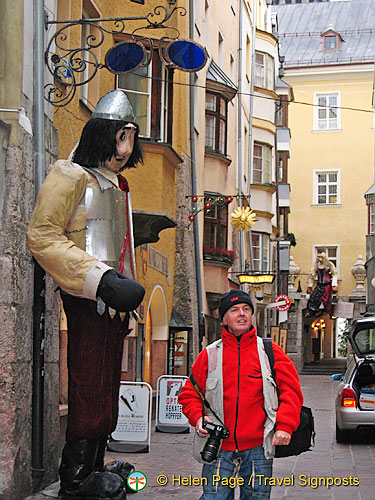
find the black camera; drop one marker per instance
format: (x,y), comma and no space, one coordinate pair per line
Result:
(216,434)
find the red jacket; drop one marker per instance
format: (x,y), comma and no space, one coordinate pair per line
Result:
(244,412)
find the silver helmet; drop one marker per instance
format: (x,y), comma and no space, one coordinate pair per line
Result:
(114,106)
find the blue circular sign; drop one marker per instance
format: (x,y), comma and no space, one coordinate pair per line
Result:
(186,55)
(125,56)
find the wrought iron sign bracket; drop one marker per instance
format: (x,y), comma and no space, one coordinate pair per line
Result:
(75,67)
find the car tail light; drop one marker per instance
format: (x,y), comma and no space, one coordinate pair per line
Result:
(348,398)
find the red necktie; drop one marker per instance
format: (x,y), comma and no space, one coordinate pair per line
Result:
(123,183)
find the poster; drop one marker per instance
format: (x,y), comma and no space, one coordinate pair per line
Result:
(170,411)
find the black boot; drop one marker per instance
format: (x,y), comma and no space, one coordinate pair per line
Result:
(123,469)
(79,480)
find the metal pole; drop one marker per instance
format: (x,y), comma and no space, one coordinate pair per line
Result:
(39,274)
(194,188)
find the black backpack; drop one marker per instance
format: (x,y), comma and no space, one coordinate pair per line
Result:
(303,438)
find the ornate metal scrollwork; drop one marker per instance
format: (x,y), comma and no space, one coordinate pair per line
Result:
(75,67)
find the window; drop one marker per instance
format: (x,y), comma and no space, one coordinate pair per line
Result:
(216,227)
(216,123)
(150,92)
(262,163)
(331,251)
(206,25)
(326,187)
(326,111)
(371,215)
(248,59)
(330,42)
(232,67)
(260,243)
(197,16)
(264,71)
(220,41)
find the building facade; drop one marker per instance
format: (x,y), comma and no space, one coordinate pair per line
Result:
(328,62)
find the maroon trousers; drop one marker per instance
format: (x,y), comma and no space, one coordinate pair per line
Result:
(95,345)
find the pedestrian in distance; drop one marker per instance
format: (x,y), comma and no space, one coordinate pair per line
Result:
(80,233)
(235,378)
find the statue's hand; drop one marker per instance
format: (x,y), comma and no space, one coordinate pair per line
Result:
(120,293)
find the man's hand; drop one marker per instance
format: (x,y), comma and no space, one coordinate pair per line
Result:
(281,437)
(335,289)
(119,292)
(199,428)
(309,290)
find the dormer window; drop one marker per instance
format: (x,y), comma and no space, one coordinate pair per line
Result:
(331,40)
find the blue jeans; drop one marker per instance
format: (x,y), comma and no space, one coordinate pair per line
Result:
(251,469)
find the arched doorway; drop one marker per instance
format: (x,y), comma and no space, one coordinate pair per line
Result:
(156,337)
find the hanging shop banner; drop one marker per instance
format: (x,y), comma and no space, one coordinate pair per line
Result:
(133,431)
(256,279)
(169,416)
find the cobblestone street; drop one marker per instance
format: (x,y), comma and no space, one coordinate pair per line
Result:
(171,455)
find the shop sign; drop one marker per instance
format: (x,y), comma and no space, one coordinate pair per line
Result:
(256,279)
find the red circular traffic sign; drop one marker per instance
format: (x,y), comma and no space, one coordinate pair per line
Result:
(287,300)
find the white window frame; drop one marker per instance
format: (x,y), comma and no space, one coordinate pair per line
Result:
(371,218)
(265,72)
(266,179)
(315,186)
(319,121)
(148,93)
(163,105)
(325,248)
(264,251)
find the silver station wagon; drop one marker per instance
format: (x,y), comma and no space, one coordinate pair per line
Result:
(355,400)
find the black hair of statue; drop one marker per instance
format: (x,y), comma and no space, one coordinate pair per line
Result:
(98,144)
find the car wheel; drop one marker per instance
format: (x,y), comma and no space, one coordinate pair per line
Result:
(341,435)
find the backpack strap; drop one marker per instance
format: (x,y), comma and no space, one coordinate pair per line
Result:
(267,342)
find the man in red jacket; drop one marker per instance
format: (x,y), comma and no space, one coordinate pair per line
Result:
(243,405)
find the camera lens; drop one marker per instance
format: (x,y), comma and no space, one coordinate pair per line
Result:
(210,451)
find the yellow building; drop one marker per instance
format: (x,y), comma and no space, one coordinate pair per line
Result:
(157,93)
(332,143)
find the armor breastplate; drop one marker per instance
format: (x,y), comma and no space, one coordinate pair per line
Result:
(109,234)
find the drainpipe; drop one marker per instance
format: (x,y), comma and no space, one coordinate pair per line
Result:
(194,190)
(39,274)
(251,116)
(240,142)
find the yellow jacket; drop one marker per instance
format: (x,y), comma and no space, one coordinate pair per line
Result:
(57,230)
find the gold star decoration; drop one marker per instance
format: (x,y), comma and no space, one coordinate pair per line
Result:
(243,218)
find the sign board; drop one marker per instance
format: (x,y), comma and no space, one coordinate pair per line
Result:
(286,302)
(169,416)
(283,338)
(133,430)
(256,279)
(344,309)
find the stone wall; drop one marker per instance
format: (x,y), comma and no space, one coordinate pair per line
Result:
(185,299)
(16,325)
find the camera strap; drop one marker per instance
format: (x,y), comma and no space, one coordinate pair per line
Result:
(205,402)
